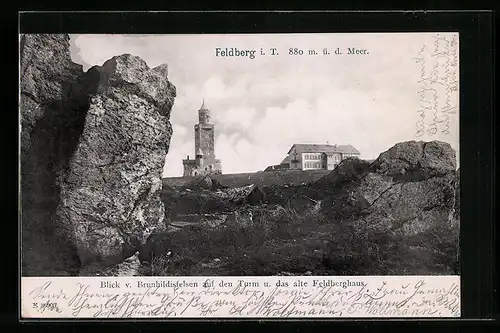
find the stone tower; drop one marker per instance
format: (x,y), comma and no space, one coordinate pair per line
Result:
(204,133)
(204,147)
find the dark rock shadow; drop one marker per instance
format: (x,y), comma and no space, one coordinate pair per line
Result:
(46,248)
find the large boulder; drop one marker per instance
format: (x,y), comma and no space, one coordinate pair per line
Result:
(110,190)
(93,147)
(408,189)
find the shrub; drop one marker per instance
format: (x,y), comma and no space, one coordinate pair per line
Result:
(375,252)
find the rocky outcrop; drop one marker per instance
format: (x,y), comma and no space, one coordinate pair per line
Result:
(111,188)
(200,200)
(46,77)
(408,189)
(94,146)
(457,195)
(51,119)
(204,182)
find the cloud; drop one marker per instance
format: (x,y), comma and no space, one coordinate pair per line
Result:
(237,118)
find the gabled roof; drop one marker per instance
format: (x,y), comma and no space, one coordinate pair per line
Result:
(329,149)
(286,160)
(278,167)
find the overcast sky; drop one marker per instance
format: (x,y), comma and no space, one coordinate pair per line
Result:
(262,106)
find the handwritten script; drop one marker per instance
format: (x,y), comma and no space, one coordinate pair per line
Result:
(275,297)
(438,84)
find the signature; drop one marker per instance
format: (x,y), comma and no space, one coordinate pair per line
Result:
(438,85)
(388,299)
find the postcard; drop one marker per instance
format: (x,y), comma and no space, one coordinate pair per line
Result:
(264,176)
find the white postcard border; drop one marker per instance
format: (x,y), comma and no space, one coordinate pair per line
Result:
(276,297)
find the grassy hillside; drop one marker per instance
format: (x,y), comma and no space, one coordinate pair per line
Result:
(282,241)
(259,178)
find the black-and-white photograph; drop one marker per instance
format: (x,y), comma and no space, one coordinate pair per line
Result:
(239,155)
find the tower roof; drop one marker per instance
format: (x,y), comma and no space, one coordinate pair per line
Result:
(203,107)
(199,152)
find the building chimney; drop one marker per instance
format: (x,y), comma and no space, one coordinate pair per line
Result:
(188,157)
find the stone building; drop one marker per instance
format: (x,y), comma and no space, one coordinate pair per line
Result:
(204,162)
(315,157)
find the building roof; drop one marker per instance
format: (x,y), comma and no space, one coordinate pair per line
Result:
(316,148)
(199,152)
(278,167)
(286,160)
